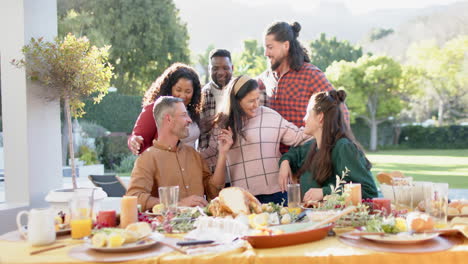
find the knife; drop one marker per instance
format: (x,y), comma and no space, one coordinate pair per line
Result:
(194,242)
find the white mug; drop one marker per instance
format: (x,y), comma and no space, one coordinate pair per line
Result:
(41,226)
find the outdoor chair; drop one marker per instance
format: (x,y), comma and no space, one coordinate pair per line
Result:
(111,184)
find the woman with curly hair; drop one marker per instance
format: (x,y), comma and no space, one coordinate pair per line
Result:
(179,80)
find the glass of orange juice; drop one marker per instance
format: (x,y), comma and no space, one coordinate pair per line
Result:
(294,198)
(81,211)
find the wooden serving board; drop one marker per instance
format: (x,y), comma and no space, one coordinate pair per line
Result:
(433,245)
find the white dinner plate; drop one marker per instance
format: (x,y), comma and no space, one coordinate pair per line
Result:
(130,247)
(401,238)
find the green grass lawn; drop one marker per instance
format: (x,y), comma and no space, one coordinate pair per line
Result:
(435,165)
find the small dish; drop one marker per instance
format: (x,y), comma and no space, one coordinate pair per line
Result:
(401,238)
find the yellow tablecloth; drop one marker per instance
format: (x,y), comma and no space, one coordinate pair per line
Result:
(329,250)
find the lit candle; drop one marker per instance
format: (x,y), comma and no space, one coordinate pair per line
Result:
(106,218)
(354,193)
(382,204)
(128,211)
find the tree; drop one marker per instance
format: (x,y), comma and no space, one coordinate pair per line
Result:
(203,61)
(71,70)
(147,36)
(324,51)
(444,75)
(379,33)
(251,60)
(375,85)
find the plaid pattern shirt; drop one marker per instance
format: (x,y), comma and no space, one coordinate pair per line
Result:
(209,109)
(252,163)
(290,94)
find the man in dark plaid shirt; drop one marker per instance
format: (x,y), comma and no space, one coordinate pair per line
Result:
(292,80)
(221,69)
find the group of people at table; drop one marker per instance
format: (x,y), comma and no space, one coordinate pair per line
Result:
(233,131)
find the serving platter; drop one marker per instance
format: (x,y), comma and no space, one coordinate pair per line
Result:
(294,234)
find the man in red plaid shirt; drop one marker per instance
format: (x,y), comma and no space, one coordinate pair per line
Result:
(292,80)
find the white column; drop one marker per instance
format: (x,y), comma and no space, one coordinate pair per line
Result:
(31,125)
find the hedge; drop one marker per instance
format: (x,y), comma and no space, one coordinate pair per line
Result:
(112,150)
(362,133)
(447,137)
(116,112)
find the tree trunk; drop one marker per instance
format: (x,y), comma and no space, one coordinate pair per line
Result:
(373,135)
(396,134)
(372,107)
(441,113)
(70,142)
(64,142)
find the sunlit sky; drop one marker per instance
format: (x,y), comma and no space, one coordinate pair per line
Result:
(208,20)
(356,6)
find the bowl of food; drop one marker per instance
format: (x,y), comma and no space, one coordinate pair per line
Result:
(287,235)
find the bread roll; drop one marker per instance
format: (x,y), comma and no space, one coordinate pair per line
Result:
(453,211)
(420,222)
(397,174)
(458,207)
(384,178)
(464,209)
(235,200)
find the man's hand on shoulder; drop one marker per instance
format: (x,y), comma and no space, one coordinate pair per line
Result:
(193,200)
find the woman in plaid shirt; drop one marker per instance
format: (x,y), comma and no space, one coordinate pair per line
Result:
(257,131)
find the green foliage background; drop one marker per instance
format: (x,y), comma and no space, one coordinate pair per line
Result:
(446,137)
(116,112)
(324,51)
(146,36)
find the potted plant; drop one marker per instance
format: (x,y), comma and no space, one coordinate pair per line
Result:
(70,70)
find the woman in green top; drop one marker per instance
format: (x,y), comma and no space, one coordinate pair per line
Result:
(316,163)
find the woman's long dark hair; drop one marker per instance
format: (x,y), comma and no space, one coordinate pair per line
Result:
(162,86)
(232,115)
(319,163)
(289,32)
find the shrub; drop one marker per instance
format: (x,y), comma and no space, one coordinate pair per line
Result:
(116,112)
(92,129)
(126,165)
(88,155)
(362,133)
(448,137)
(112,150)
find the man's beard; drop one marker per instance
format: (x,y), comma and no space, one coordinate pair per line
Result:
(182,133)
(220,85)
(278,62)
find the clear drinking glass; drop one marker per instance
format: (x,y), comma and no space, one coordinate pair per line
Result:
(402,189)
(81,213)
(169,196)
(294,195)
(436,203)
